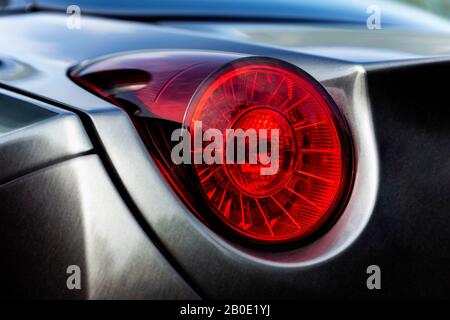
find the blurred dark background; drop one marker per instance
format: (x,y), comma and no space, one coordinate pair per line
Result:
(439,7)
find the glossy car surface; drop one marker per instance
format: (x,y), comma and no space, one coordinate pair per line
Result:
(78,187)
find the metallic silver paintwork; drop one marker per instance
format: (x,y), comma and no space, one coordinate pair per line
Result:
(346,43)
(73,215)
(121,261)
(38,134)
(57,212)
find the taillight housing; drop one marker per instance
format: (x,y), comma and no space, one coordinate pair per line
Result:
(283,157)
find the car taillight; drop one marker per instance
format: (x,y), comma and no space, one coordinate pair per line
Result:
(289,185)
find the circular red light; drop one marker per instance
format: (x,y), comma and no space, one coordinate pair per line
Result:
(313,168)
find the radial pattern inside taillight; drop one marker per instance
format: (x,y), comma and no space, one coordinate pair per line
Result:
(298,196)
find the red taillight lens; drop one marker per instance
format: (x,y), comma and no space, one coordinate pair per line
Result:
(303,186)
(297,199)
